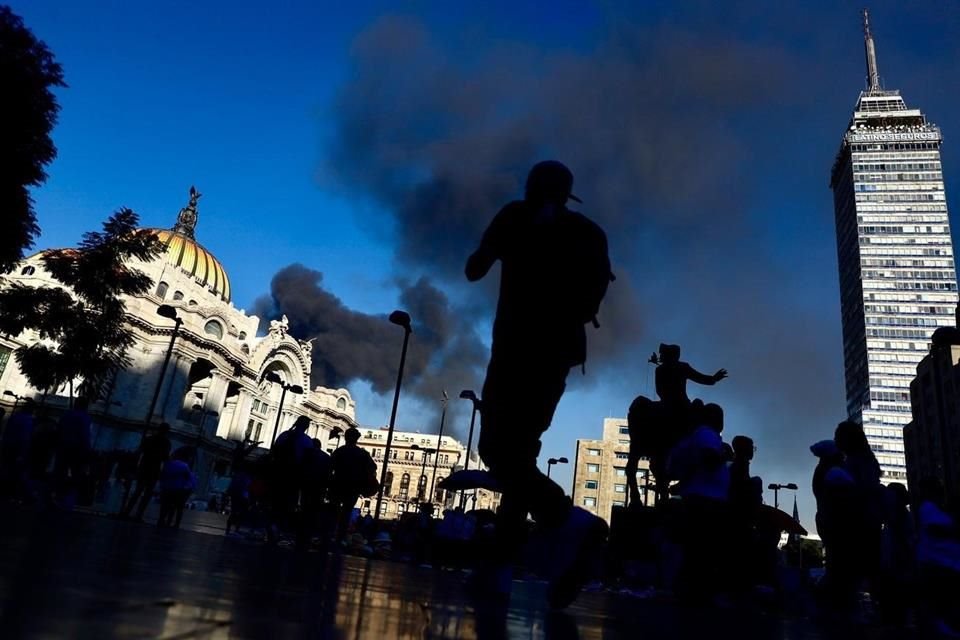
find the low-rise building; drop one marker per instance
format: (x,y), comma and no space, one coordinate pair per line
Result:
(600,474)
(410,474)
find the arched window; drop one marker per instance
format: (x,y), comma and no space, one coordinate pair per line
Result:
(162,290)
(245,349)
(341,403)
(404,486)
(213,328)
(388,483)
(178,295)
(242,336)
(192,303)
(422,488)
(27,271)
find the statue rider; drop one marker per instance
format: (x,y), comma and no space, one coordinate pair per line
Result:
(671,382)
(655,427)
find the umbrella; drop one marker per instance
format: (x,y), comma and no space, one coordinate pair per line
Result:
(470,479)
(780,520)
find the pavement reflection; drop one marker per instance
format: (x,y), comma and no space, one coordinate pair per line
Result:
(71,575)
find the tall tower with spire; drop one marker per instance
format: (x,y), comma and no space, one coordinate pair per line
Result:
(897,276)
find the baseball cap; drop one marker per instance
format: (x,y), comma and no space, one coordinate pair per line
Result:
(551,177)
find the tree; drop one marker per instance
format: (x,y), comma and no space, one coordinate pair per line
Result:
(28,72)
(82,328)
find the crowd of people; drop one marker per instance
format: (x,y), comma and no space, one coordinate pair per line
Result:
(903,547)
(46,460)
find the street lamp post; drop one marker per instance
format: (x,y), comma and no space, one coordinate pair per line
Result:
(423,468)
(273,377)
(401,319)
(165,311)
(553,461)
(776,491)
(468,394)
(203,418)
(436,457)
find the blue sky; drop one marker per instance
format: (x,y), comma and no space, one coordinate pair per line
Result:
(246,101)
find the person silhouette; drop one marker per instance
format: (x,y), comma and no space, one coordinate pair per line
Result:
(15,449)
(154,452)
(314,480)
(671,383)
(554,273)
(746,498)
(862,535)
(938,559)
(73,450)
(352,471)
(699,462)
(177,482)
(286,465)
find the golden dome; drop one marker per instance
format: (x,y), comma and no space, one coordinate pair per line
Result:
(190,256)
(184,252)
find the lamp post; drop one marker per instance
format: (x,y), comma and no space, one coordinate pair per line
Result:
(468,394)
(436,458)
(165,311)
(273,377)
(553,461)
(423,468)
(203,418)
(449,498)
(196,449)
(776,491)
(401,319)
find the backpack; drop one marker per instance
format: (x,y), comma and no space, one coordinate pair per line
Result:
(593,274)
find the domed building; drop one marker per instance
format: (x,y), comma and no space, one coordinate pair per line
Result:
(223,383)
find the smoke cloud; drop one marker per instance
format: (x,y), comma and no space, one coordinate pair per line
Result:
(657,126)
(445,351)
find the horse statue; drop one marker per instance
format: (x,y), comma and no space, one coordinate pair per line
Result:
(656,426)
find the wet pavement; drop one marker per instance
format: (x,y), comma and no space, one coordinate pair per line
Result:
(77,575)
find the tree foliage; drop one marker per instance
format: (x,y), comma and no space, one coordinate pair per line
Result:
(28,72)
(82,329)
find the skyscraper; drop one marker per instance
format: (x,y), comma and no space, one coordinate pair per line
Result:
(897,276)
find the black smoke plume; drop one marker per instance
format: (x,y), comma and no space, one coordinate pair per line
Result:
(657,125)
(445,352)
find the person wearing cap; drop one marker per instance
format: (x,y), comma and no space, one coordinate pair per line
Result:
(554,272)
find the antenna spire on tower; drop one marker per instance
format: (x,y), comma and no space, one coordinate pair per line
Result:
(873,75)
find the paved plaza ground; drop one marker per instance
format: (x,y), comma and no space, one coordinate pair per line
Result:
(80,575)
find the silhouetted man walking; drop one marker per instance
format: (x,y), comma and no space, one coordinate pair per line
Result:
(73,451)
(354,474)
(554,273)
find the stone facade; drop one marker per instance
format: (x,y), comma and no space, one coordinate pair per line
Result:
(214,391)
(599,471)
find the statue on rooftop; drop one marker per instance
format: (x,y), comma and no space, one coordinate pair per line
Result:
(187,218)
(279,328)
